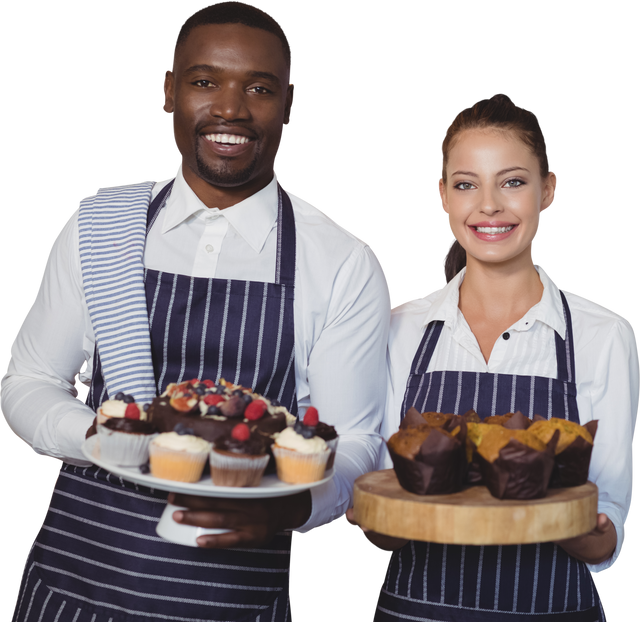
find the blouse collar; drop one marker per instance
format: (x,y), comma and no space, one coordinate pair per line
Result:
(549,310)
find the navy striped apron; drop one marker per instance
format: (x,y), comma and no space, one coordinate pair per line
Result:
(98,557)
(436,582)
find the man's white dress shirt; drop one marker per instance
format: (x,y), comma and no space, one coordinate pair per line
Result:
(606,361)
(341,315)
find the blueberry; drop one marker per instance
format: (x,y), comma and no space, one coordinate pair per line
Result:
(220,390)
(213,410)
(200,389)
(144,468)
(247,398)
(120,395)
(128,399)
(275,403)
(308,432)
(238,392)
(182,429)
(145,407)
(297,426)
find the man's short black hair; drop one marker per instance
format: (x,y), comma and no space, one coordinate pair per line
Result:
(235,13)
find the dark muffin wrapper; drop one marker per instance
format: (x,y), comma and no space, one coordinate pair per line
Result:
(438,468)
(571,466)
(519,472)
(412,419)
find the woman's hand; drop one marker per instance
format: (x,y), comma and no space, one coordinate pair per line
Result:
(386,543)
(594,547)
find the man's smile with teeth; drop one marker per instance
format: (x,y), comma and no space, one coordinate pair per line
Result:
(494,230)
(227,139)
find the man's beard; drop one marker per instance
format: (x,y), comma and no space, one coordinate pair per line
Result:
(224,175)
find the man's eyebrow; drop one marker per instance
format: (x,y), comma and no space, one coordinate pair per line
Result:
(504,171)
(260,75)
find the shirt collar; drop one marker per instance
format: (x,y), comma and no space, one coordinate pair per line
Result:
(253,218)
(549,310)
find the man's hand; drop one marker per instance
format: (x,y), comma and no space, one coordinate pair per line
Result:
(593,547)
(93,429)
(386,543)
(254,521)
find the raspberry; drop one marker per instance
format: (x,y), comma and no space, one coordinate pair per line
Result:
(255,410)
(132,411)
(241,432)
(208,383)
(212,400)
(311,416)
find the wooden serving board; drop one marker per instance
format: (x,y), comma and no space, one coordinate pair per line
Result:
(472,516)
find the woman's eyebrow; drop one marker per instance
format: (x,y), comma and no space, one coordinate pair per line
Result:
(504,171)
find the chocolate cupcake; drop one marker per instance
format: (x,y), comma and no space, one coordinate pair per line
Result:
(240,459)
(311,426)
(125,441)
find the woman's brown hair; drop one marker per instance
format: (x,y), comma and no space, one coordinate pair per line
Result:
(501,113)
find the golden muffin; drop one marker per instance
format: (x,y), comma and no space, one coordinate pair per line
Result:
(569,431)
(493,438)
(497,419)
(407,442)
(437,420)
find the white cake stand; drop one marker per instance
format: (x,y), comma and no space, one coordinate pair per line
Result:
(167,528)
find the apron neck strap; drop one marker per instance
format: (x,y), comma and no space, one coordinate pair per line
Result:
(564,347)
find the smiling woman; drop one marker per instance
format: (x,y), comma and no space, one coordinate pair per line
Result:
(494,208)
(501,115)
(501,328)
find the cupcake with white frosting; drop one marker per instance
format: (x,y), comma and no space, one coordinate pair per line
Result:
(178,457)
(301,456)
(124,431)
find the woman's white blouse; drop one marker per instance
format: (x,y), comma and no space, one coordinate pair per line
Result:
(606,363)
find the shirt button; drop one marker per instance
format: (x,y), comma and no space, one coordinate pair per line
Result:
(208,248)
(506,336)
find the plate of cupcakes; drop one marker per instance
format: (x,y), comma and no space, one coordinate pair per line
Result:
(213,439)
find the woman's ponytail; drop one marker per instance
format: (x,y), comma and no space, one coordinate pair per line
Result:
(456,260)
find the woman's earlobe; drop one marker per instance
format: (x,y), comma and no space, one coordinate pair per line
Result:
(442,199)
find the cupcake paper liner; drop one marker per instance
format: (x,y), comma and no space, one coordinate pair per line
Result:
(176,465)
(333,447)
(235,469)
(295,467)
(123,448)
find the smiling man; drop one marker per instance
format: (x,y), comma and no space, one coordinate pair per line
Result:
(229,93)
(216,273)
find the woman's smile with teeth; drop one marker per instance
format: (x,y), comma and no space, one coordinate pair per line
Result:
(494,230)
